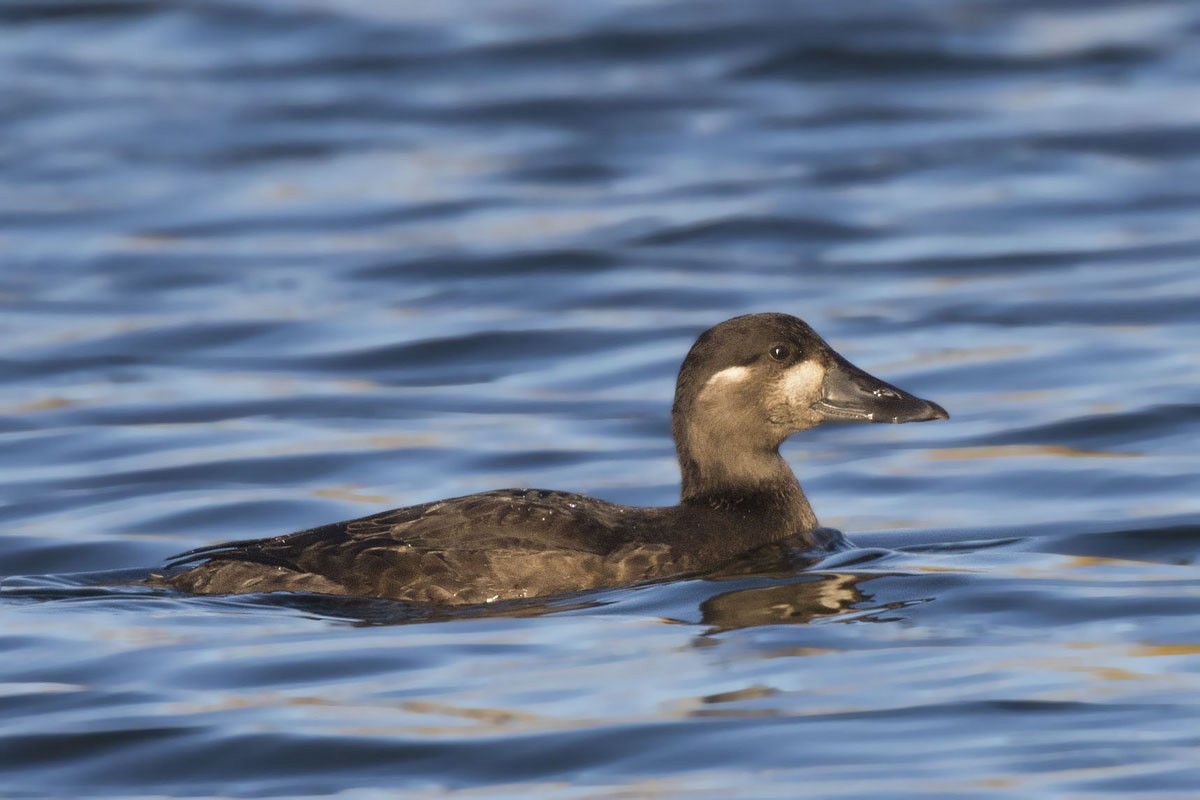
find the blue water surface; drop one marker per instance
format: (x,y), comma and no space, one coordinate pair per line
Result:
(268,264)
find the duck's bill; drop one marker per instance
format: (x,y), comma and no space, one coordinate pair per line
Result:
(848,393)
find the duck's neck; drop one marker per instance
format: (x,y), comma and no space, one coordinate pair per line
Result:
(753,482)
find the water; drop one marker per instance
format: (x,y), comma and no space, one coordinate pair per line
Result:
(265,265)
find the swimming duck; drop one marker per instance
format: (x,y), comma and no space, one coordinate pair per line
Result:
(745,386)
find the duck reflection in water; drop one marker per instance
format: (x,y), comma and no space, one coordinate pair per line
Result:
(802,599)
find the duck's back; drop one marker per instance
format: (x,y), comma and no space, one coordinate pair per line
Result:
(496,545)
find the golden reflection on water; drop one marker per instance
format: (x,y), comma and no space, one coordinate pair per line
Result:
(1021,451)
(958,355)
(1155,650)
(39,404)
(348,493)
(489,717)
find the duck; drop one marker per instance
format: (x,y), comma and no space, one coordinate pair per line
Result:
(745,386)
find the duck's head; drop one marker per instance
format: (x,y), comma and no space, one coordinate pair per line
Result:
(752,381)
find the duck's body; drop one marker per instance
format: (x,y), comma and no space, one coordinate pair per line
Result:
(492,546)
(744,387)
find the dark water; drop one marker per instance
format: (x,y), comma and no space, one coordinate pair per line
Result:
(269,264)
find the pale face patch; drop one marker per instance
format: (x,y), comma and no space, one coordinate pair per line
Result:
(790,400)
(717,388)
(728,375)
(723,392)
(803,380)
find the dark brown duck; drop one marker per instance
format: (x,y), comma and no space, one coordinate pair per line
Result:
(745,386)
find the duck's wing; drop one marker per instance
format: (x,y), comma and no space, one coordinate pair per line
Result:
(532,519)
(506,543)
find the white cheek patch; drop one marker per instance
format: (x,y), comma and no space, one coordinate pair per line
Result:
(728,375)
(802,381)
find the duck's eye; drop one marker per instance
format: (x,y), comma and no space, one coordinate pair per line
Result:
(780,352)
